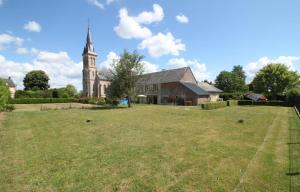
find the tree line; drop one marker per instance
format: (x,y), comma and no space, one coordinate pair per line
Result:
(275,80)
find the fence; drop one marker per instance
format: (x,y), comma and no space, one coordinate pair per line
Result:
(297,102)
(294,153)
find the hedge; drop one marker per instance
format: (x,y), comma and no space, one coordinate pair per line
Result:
(232,102)
(41,100)
(214,105)
(265,103)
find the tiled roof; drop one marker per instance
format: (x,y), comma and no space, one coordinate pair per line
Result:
(166,76)
(194,87)
(209,88)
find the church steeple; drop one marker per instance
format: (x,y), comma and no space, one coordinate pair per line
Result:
(89,47)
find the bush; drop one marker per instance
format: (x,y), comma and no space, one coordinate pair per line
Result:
(34,94)
(214,105)
(292,95)
(245,102)
(4,95)
(232,102)
(112,101)
(264,103)
(231,96)
(9,107)
(41,100)
(95,101)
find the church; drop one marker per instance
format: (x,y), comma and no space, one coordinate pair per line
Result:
(94,84)
(175,86)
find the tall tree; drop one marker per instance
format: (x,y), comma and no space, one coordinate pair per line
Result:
(238,70)
(36,80)
(274,80)
(230,82)
(124,75)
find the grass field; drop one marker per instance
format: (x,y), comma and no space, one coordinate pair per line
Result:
(147,148)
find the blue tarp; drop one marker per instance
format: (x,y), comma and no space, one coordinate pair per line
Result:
(123,102)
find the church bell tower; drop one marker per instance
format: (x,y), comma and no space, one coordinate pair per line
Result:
(89,71)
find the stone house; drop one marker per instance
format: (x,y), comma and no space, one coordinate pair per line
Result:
(11,85)
(177,86)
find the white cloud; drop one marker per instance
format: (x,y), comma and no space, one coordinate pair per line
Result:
(62,70)
(7,39)
(253,67)
(22,51)
(132,27)
(182,18)
(34,51)
(96,3)
(162,44)
(129,28)
(149,17)
(149,67)
(1,2)
(111,58)
(199,69)
(32,26)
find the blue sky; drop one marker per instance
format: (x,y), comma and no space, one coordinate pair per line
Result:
(209,36)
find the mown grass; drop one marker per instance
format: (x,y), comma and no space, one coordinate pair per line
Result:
(146,148)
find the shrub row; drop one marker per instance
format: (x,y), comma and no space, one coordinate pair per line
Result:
(96,101)
(41,100)
(214,105)
(266,103)
(232,102)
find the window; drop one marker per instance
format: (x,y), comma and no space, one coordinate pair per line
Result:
(105,88)
(155,87)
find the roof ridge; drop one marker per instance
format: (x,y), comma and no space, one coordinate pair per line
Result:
(166,70)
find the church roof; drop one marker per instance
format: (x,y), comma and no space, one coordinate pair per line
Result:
(89,47)
(165,76)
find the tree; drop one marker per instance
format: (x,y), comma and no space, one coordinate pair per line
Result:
(4,95)
(230,82)
(238,70)
(71,90)
(274,80)
(124,74)
(36,80)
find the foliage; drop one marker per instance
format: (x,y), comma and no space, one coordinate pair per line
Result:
(124,75)
(245,102)
(36,80)
(238,70)
(232,102)
(112,101)
(214,105)
(293,94)
(232,82)
(41,100)
(65,92)
(264,103)
(275,80)
(4,95)
(34,94)
(231,96)
(95,101)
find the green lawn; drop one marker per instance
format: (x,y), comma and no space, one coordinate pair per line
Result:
(147,148)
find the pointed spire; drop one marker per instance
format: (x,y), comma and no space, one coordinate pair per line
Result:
(89,47)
